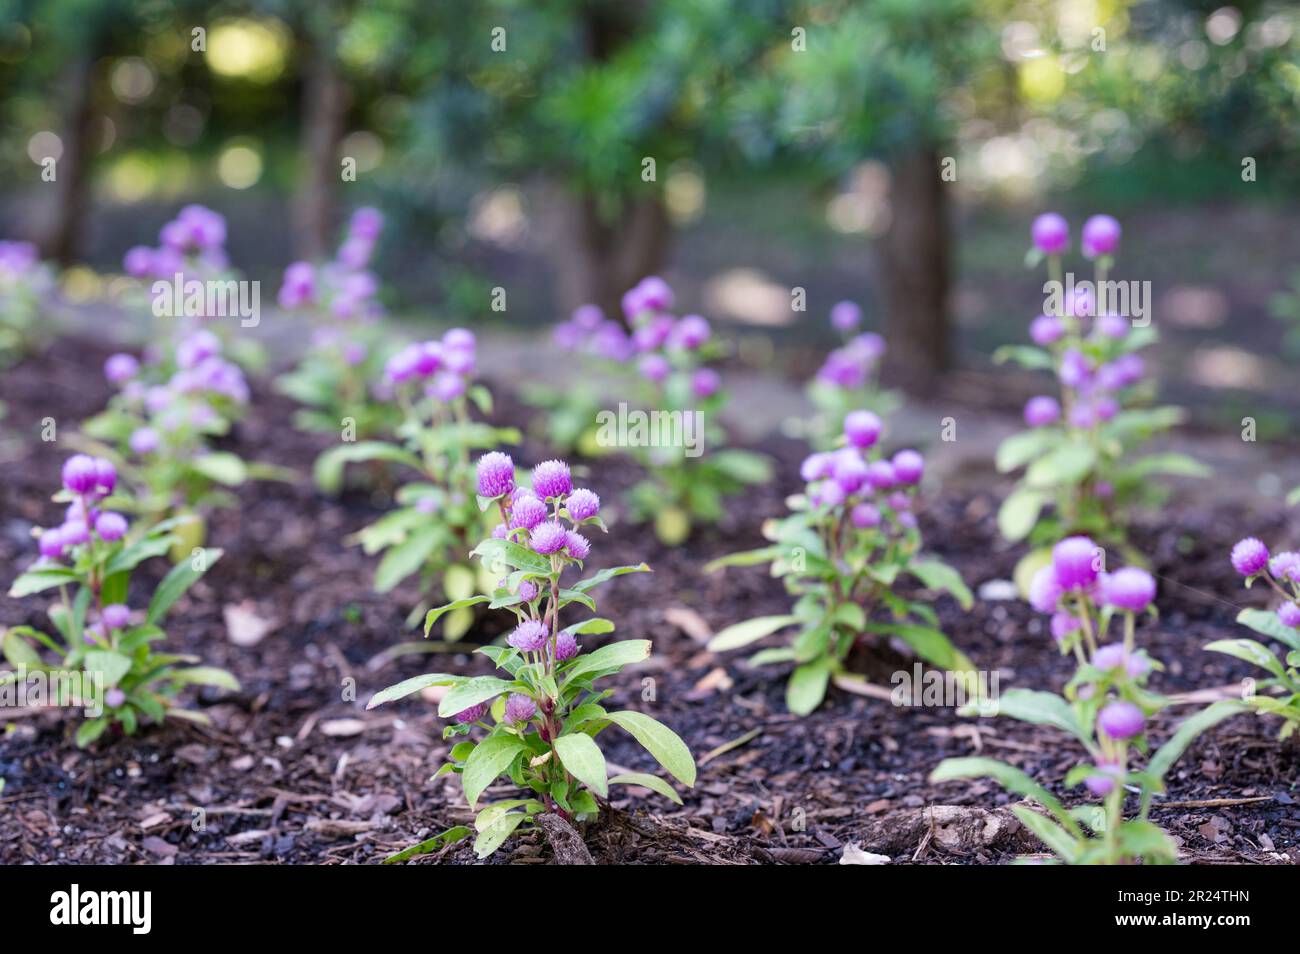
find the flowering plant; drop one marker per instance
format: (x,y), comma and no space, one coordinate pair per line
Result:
(25,282)
(851,536)
(1076,455)
(686,485)
(89,559)
(1106,709)
(847,379)
(1281,573)
(347,353)
(436,520)
(539,725)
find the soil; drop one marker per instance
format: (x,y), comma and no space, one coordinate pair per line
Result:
(294,770)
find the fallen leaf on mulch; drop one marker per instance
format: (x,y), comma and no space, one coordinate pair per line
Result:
(689,622)
(243,626)
(715,680)
(854,855)
(156,846)
(342,728)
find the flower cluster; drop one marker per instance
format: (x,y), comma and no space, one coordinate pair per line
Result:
(1077,449)
(88,558)
(442,369)
(193,243)
(25,282)
(852,366)
(540,722)
(859,509)
(1280,572)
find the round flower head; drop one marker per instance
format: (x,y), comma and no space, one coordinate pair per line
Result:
(120,368)
(1046,330)
(691,332)
(1289,614)
(1131,589)
(1100,236)
(1121,720)
(828,494)
(1076,563)
(862,428)
(656,295)
(74,533)
(817,466)
(1041,411)
(1137,666)
(1102,782)
(473,714)
(549,538)
(459,339)
(1285,566)
(529,636)
(566,646)
(1249,556)
(496,475)
(1106,408)
(138,261)
(578,545)
(551,479)
(527,591)
(705,383)
(846,315)
(51,544)
(366,223)
(80,474)
(908,466)
(907,520)
(110,526)
(850,472)
(587,317)
(1051,233)
(427,505)
(114,698)
(1110,656)
(1044,592)
(654,367)
(865,516)
(527,512)
(1082,416)
(582,504)
(1112,326)
(1075,370)
(1063,624)
(1131,368)
(144,440)
(105,476)
(880,474)
(520,708)
(116,615)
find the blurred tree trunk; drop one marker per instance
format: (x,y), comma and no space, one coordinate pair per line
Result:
(598,261)
(325,103)
(71,171)
(917,272)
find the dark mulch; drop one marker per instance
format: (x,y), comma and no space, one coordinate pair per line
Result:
(294,770)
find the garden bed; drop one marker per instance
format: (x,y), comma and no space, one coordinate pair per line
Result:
(293,769)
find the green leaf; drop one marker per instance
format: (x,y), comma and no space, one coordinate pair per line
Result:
(750,631)
(1144,839)
(497,553)
(743,466)
(1251,652)
(807,686)
(744,558)
(645,780)
(580,754)
(613,656)
(938,575)
(328,470)
(434,614)
(207,676)
(19,652)
(591,627)
(584,586)
(491,813)
(489,759)
(42,578)
(113,665)
(471,692)
(90,730)
(1066,465)
(1048,832)
(1041,708)
(490,839)
(407,557)
(660,741)
(1010,778)
(408,686)
(1019,449)
(1267,624)
(1019,512)
(1024,355)
(223,467)
(179,579)
(448,837)
(928,643)
(136,553)
(1178,465)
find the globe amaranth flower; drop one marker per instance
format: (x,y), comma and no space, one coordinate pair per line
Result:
(446,386)
(1046,330)
(1051,233)
(1105,408)
(496,475)
(527,512)
(1076,562)
(1075,370)
(582,504)
(551,479)
(865,516)
(656,294)
(1112,326)
(1082,416)
(115,615)
(1285,566)
(138,261)
(1100,236)
(110,526)
(1063,624)
(862,428)
(845,315)
(578,545)
(1131,368)
(144,440)
(908,466)
(527,591)
(828,494)
(654,367)
(880,474)
(51,543)
(1131,589)
(1103,781)
(566,646)
(1044,591)
(1110,656)
(817,466)
(120,368)
(705,383)
(1249,556)
(80,474)
(1121,719)
(520,708)
(473,714)
(114,698)
(1041,411)
(529,636)
(691,332)
(1137,665)
(850,471)
(588,317)
(548,538)
(74,533)
(366,222)
(1289,615)
(899,500)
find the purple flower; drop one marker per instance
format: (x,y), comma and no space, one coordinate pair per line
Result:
(527,591)
(869,346)
(908,466)
(116,615)
(496,475)
(691,332)
(566,646)
(816,466)
(588,317)
(366,223)
(1285,566)
(1249,556)
(1075,369)
(1137,666)
(1100,236)
(582,504)
(845,315)
(114,698)
(459,339)
(529,636)
(527,512)
(880,474)
(1131,368)
(473,714)
(549,538)
(1102,782)
(578,545)
(850,471)
(446,386)
(1082,416)
(120,368)
(51,544)
(1044,591)
(1105,408)
(1046,330)
(1121,720)
(80,474)
(428,357)
(110,526)
(654,367)
(144,440)
(1131,589)
(1112,326)
(1076,561)
(551,479)
(862,428)
(829,494)
(1041,411)
(865,516)
(1063,624)
(74,533)
(138,261)
(656,295)
(1289,614)
(1051,233)
(1110,656)
(705,383)
(520,708)
(299,287)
